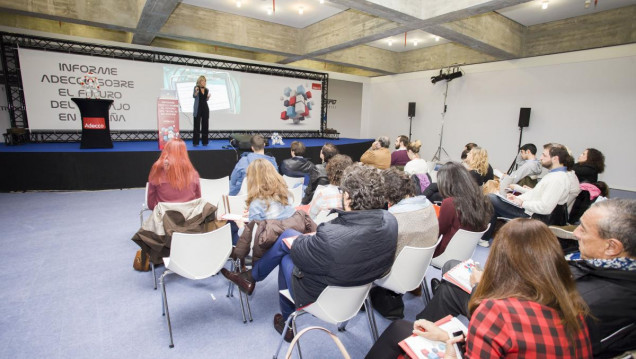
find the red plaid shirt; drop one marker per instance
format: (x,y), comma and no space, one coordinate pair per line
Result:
(515,328)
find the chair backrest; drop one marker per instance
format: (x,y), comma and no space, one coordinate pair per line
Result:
(243,189)
(200,255)
(235,204)
(461,247)
(409,269)
(145,204)
(213,189)
(324,216)
(292,182)
(297,193)
(339,304)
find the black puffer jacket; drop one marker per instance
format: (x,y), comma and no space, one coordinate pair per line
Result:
(354,249)
(611,296)
(296,167)
(317,177)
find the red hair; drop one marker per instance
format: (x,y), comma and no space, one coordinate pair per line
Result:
(180,172)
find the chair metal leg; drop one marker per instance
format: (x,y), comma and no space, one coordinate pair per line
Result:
(282,336)
(242,306)
(166,312)
(343,326)
(154,276)
(249,310)
(230,286)
(371,317)
(300,354)
(427,295)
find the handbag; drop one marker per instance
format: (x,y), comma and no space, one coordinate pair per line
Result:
(388,303)
(335,339)
(142,261)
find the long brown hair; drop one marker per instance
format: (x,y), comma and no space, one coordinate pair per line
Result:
(264,182)
(526,262)
(180,171)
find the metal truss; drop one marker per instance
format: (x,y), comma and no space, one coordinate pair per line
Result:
(10,42)
(128,136)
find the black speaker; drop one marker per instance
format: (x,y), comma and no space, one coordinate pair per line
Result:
(524,117)
(241,141)
(411,109)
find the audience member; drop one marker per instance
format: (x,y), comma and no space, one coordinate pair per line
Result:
(297,165)
(541,200)
(605,277)
(528,168)
(318,174)
(378,155)
(329,197)
(520,307)
(172,177)
(416,217)
(477,164)
(591,163)
(399,157)
(257,143)
(469,146)
(355,248)
(463,207)
(416,165)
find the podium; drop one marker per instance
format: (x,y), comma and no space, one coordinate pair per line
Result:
(95,124)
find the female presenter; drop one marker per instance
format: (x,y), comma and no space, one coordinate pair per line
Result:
(201,112)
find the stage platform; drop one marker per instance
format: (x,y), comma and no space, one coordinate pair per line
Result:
(66,167)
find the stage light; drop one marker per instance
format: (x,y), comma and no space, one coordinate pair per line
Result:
(448,74)
(437,78)
(453,75)
(544,4)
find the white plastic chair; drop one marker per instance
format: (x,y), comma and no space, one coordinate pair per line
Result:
(212,190)
(334,305)
(297,193)
(293,182)
(234,204)
(195,256)
(324,216)
(243,190)
(144,207)
(461,247)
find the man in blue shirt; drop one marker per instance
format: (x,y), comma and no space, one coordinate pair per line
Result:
(258,151)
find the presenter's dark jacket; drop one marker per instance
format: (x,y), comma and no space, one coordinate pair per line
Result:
(353,249)
(297,166)
(611,295)
(317,177)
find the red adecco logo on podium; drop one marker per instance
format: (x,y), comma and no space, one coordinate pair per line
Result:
(94,123)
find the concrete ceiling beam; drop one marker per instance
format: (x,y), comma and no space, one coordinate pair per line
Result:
(154,15)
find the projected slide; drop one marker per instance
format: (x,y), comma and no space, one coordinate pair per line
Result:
(238,100)
(223,86)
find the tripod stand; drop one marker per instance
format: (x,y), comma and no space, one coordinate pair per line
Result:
(438,154)
(514,162)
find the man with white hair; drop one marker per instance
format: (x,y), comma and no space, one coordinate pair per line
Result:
(379,155)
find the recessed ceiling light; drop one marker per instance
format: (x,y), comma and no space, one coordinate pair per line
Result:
(436,38)
(238,4)
(269,11)
(322,1)
(415,43)
(544,4)
(390,42)
(301,10)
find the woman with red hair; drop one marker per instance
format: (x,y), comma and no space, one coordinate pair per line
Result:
(172,177)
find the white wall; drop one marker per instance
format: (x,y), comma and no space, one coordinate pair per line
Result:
(581,99)
(345,115)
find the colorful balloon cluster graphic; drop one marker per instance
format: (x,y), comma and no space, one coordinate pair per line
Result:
(297,104)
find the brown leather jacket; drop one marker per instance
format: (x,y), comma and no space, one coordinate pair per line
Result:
(268,232)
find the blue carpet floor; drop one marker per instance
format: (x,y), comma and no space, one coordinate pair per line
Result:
(70,291)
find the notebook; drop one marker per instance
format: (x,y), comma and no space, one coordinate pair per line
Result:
(417,347)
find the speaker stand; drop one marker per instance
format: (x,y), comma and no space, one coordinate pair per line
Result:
(514,162)
(410,126)
(440,149)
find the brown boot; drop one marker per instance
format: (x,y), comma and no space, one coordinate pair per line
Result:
(243,280)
